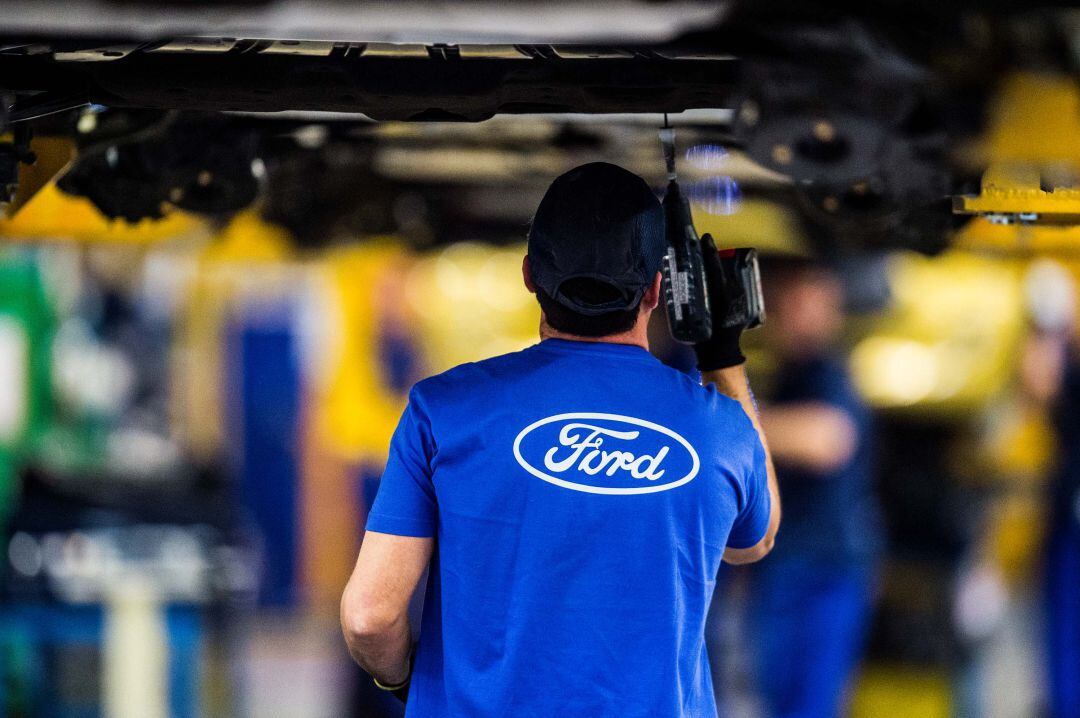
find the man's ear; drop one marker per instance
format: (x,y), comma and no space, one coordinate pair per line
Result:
(651,297)
(526,275)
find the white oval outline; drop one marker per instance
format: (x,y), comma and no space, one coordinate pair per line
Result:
(573,486)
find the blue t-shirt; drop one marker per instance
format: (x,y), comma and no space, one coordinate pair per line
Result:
(581,496)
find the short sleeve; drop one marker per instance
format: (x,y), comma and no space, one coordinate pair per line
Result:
(752,522)
(405,504)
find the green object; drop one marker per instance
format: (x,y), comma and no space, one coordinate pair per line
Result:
(27,324)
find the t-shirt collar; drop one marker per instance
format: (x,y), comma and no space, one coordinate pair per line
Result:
(600,348)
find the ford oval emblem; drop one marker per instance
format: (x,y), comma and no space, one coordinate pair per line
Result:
(606,454)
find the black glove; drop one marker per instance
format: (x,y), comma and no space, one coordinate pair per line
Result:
(721,350)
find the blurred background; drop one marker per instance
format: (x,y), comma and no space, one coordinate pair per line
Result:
(224,262)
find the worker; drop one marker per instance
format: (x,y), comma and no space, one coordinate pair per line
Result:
(1049,381)
(571,502)
(1062,570)
(809,603)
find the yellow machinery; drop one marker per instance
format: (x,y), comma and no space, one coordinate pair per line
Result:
(1032,154)
(41,212)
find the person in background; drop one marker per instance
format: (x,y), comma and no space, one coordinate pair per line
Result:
(1062,571)
(1050,380)
(810,601)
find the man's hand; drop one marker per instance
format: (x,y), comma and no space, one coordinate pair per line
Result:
(721,349)
(721,360)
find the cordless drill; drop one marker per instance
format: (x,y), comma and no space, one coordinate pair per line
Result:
(689,306)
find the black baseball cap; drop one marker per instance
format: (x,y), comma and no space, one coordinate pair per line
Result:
(601,222)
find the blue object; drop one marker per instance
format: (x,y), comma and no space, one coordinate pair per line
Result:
(267,411)
(185,627)
(1063,619)
(582,495)
(809,622)
(49,628)
(398,359)
(1062,574)
(810,600)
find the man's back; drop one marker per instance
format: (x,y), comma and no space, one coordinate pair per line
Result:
(581,495)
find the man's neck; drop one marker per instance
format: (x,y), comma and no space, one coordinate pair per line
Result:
(637,336)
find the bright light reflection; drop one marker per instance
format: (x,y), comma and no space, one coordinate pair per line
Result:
(716,195)
(896,372)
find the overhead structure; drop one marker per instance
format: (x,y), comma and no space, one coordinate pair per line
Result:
(849,115)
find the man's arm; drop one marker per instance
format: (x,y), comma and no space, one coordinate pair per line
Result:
(374,606)
(731,381)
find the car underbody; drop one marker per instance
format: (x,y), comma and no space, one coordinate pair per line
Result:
(857,117)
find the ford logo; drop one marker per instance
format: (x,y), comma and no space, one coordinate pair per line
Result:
(606,454)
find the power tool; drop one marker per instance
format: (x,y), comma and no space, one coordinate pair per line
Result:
(686,299)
